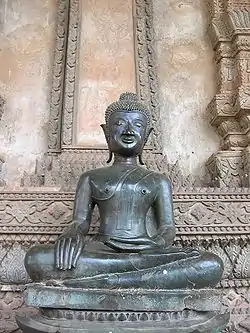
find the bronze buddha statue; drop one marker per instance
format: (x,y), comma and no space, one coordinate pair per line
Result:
(130,251)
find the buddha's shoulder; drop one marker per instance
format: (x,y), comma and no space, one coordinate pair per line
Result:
(160,178)
(95,173)
(113,172)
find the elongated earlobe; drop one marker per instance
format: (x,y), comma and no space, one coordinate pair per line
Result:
(110,157)
(104,128)
(140,160)
(146,139)
(148,134)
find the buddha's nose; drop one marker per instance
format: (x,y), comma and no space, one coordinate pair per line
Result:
(129,129)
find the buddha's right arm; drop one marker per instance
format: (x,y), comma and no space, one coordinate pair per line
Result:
(83,206)
(163,206)
(70,244)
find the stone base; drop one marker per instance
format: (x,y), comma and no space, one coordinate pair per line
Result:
(60,297)
(69,321)
(64,310)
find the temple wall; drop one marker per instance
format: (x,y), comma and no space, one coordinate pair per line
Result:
(106,65)
(214,216)
(186,77)
(187,82)
(26,55)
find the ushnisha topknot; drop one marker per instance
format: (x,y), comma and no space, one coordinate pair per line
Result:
(128,102)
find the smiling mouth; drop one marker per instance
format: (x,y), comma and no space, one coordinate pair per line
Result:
(128,138)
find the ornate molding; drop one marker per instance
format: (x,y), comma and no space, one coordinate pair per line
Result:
(56,103)
(70,73)
(147,79)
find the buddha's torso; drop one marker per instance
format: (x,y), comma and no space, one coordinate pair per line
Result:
(123,195)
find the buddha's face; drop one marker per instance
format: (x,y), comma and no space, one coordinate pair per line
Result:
(128,132)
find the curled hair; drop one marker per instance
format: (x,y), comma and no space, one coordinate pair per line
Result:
(128,102)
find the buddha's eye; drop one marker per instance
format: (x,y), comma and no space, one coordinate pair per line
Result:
(138,124)
(119,122)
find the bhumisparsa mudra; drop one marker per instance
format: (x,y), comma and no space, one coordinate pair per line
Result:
(124,254)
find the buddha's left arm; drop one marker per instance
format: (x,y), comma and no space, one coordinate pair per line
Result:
(163,207)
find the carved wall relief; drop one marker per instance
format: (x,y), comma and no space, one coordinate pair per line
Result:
(212,218)
(228,112)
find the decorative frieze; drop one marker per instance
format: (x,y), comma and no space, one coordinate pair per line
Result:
(204,217)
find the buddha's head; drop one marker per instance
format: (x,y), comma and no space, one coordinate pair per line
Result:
(128,125)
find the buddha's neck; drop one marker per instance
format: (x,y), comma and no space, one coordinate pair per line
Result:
(119,159)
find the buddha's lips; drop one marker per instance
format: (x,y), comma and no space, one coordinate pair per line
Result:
(128,138)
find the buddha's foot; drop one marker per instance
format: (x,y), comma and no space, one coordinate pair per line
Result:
(54,283)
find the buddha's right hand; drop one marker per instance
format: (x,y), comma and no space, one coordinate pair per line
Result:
(68,249)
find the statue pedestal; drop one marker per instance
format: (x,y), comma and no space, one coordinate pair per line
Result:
(65,310)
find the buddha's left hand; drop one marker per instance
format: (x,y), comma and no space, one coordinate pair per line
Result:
(165,237)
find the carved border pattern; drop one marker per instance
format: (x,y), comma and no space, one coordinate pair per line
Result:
(147,79)
(56,104)
(70,73)
(216,221)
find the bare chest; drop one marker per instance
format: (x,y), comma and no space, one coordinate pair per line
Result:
(132,183)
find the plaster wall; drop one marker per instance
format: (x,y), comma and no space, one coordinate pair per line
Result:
(26,52)
(186,82)
(106,65)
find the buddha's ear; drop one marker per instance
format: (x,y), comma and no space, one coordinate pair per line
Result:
(146,139)
(104,128)
(148,134)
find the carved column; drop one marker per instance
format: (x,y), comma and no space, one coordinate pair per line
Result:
(228,112)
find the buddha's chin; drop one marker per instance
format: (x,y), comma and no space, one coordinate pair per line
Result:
(127,151)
